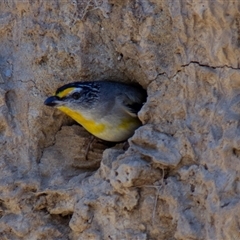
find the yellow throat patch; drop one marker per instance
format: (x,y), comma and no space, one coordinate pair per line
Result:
(90,125)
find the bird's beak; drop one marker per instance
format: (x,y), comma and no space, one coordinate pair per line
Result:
(52,101)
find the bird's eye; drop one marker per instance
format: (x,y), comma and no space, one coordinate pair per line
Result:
(76,95)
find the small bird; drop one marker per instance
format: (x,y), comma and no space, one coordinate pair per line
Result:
(106,109)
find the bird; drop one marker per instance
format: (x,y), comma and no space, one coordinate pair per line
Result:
(106,109)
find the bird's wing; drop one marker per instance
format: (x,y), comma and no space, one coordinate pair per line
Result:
(130,104)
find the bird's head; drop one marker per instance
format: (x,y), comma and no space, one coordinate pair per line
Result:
(74,96)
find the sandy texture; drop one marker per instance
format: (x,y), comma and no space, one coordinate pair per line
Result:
(180,177)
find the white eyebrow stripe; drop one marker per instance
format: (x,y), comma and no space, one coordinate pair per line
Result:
(74,90)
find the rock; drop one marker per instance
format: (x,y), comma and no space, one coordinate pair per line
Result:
(179,178)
